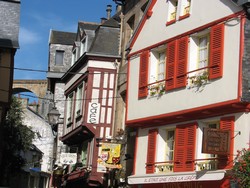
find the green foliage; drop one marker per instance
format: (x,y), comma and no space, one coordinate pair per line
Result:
(241,169)
(17,138)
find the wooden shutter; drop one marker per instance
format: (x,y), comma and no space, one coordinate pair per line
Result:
(152,135)
(143,79)
(181,66)
(190,147)
(225,162)
(216,51)
(179,150)
(170,65)
(184,151)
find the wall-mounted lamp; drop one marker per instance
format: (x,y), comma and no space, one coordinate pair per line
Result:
(53,118)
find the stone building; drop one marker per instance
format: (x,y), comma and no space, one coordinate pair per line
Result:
(60,55)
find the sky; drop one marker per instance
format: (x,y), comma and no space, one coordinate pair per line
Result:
(38,17)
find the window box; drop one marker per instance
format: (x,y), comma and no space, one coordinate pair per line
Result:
(157,89)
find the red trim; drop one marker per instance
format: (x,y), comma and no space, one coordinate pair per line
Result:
(184,16)
(187,33)
(202,112)
(170,22)
(243,21)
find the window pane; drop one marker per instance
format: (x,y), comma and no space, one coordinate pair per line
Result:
(59,58)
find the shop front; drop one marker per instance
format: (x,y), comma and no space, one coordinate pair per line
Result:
(203,179)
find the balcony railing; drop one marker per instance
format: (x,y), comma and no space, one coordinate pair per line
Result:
(200,165)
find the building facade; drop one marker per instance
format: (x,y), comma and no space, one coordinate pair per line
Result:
(187,93)
(9,21)
(90,99)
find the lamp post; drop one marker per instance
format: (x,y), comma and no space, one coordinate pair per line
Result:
(53,119)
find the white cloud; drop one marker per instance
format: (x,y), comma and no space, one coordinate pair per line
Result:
(28,37)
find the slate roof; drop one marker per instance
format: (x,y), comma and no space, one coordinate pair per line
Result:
(9,23)
(106,39)
(61,37)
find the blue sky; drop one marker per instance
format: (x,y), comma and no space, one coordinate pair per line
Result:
(38,17)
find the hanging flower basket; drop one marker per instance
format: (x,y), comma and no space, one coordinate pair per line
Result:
(157,89)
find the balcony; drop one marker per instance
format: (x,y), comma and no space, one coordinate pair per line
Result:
(208,164)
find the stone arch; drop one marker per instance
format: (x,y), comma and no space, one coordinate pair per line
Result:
(38,87)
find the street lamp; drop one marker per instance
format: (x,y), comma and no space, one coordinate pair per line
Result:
(53,118)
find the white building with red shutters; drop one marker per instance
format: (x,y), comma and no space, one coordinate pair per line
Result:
(188,92)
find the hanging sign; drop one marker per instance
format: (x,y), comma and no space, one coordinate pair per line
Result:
(216,141)
(68,158)
(93,113)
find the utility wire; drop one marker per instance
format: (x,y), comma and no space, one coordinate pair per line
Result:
(45,71)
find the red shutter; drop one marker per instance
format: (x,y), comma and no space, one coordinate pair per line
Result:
(190,147)
(184,151)
(170,65)
(216,51)
(152,135)
(225,162)
(179,150)
(143,79)
(181,66)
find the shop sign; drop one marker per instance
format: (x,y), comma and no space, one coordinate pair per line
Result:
(156,179)
(68,158)
(216,141)
(93,113)
(109,156)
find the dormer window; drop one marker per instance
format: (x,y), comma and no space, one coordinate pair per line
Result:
(73,59)
(83,46)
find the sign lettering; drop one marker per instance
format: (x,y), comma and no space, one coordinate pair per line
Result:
(93,113)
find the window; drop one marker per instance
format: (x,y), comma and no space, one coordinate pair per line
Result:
(172,10)
(170,145)
(83,46)
(84,153)
(206,51)
(157,64)
(73,59)
(185,8)
(69,108)
(131,24)
(79,99)
(203,47)
(59,57)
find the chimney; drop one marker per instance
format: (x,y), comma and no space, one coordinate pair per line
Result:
(109,9)
(103,20)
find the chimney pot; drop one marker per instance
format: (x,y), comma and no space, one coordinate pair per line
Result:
(109,9)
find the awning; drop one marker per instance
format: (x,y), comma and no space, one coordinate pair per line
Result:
(79,174)
(78,135)
(177,177)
